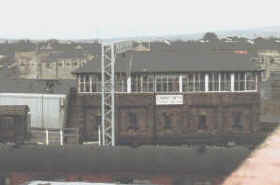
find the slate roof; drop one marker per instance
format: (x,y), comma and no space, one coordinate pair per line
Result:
(36,86)
(175,60)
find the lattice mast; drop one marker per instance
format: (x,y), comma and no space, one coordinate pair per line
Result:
(108,94)
(108,58)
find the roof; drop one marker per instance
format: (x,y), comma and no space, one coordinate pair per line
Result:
(36,86)
(175,60)
(13,109)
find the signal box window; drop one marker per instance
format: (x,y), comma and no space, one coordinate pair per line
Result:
(132,120)
(202,122)
(167,121)
(237,122)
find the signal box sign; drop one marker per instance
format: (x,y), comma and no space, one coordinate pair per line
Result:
(169,100)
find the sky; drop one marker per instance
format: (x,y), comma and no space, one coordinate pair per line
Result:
(87,19)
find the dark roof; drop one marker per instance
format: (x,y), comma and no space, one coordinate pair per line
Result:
(13,109)
(36,86)
(176,60)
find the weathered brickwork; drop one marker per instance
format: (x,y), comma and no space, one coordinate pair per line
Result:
(140,120)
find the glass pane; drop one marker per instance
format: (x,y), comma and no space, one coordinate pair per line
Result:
(250,81)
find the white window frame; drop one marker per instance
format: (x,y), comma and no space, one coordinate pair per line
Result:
(183,80)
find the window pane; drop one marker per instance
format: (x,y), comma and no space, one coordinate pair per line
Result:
(225,82)
(121,82)
(164,83)
(87,83)
(242,81)
(188,84)
(173,83)
(136,83)
(239,81)
(82,85)
(202,82)
(98,83)
(250,81)
(151,83)
(213,82)
(159,86)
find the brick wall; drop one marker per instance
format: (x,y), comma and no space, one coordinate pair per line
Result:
(167,123)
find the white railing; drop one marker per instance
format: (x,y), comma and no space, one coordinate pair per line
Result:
(55,136)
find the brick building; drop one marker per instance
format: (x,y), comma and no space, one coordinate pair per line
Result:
(167,95)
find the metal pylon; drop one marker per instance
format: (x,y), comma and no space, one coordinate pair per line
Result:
(108,94)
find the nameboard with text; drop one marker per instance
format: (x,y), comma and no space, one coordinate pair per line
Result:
(169,100)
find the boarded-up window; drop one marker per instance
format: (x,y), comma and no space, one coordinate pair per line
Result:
(167,120)
(202,122)
(132,121)
(237,121)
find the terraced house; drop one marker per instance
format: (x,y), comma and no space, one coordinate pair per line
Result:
(167,95)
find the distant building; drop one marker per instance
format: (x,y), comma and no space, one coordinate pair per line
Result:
(269,62)
(49,64)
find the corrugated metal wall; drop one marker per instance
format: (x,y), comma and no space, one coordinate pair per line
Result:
(47,110)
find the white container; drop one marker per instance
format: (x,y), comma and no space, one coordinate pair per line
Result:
(47,110)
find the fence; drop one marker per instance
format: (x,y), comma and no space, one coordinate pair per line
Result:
(55,136)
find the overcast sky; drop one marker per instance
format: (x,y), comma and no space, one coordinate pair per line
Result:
(83,19)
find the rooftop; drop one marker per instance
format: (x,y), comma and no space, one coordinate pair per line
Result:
(36,86)
(176,58)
